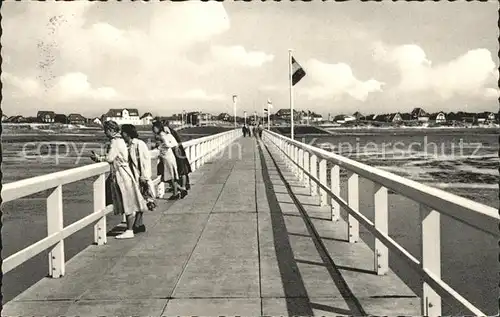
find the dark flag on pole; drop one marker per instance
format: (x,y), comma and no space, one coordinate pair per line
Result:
(297,72)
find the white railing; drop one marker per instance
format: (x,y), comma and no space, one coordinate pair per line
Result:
(198,151)
(302,160)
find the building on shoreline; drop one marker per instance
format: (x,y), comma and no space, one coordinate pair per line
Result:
(46,116)
(122,116)
(147,118)
(76,118)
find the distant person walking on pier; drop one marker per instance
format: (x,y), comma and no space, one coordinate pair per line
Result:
(125,192)
(183,165)
(168,143)
(244,129)
(140,164)
(259,130)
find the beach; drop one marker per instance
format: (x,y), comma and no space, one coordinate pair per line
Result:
(453,160)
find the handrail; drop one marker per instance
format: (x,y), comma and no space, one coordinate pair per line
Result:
(198,151)
(429,268)
(33,185)
(459,208)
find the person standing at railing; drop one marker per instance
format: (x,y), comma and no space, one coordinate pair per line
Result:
(140,164)
(125,192)
(168,143)
(183,165)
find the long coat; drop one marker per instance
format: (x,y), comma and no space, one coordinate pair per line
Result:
(125,193)
(140,164)
(167,156)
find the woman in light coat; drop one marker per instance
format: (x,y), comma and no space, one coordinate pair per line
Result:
(125,192)
(140,164)
(167,156)
(183,165)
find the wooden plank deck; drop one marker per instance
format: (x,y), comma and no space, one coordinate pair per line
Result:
(238,244)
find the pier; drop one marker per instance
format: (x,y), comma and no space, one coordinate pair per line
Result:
(263,231)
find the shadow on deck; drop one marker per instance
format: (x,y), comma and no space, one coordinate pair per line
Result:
(247,240)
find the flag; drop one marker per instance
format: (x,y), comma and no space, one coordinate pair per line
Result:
(297,72)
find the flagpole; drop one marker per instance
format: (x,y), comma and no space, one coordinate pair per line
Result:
(268,123)
(291,92)
(234,109)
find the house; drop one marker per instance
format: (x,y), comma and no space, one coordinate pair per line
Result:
(317,117)
(46,116)
(486,117)
(147,118)
(284,114)
(420,115)
(406,116)
(343,118)
(223,117)
(76,118)
(491,117)
(17,119)
(439,117)
(204,118)
(61,118)
(358,115)
(96,120)
(394,117)
(370,117)
(123,116)
(305,116)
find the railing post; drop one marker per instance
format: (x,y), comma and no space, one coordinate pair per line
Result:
(290,157)
(99,204)
(322,179)
(335,188)
(55,224)
(203,152)
(296,155)
(198,152)
(192,156)
(380,203)
(313,169)
(300,161)
(431,259)
(307,168)
(353,201)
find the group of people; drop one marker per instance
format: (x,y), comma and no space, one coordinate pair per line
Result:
(255,130)
(130,186)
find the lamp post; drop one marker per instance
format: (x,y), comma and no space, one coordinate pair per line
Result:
(269,106)
(255,117)
(235,98)
(245,115)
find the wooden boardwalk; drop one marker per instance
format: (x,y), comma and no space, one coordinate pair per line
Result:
(248,240)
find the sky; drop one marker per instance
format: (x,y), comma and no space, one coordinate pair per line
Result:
(166,57)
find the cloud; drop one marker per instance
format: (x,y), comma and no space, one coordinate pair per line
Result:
(68,87)
(237,55)
(336,81)
(66,54)
(466,75)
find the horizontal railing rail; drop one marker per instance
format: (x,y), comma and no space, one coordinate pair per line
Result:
(302,159)
(198,152)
